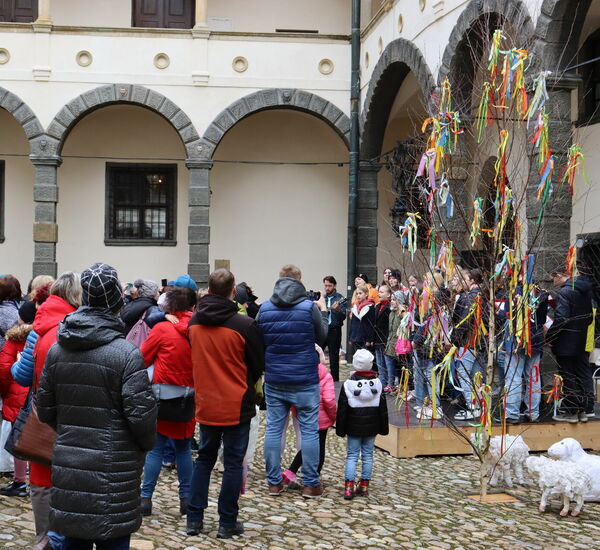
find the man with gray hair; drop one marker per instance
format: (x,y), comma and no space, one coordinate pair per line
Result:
(291,325)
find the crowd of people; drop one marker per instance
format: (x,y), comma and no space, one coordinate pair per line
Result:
(126,375)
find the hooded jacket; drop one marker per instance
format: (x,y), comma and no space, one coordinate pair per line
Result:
(227,360)
(45,324)
(96,394)
(168,349)
(362,323)
(362,408)
(12,394)
(9,316)
(291,325)
(572,316)
(133,311)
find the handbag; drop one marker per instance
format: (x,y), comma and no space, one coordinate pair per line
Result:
(403,347)
(175,403)
(139,332)
(30,438)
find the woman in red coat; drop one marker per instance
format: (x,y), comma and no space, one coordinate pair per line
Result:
(13,398)
(168,349)
(65,298)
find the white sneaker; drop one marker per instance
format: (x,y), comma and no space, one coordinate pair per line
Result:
(464,415)
(425,413)
(417,407)
(439,414)
(411,395)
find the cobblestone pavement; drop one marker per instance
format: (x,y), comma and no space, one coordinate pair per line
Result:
(415,503)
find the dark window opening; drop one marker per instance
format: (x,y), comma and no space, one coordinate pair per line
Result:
(1,201)
(163,14)
(18,11)
(141,203)
(589,104)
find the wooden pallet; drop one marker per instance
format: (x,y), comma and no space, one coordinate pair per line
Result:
(403,442)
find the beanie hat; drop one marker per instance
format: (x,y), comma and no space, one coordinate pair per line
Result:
(27,312)
(363,277)
(362,360)
(146,288)
(101,287)
(186,281)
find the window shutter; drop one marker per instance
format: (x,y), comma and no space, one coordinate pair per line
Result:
(147,13)
(25,11)
(6,11)
(179,14)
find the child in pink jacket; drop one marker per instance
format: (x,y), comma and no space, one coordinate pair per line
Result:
(327,414)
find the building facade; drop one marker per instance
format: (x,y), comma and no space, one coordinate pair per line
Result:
(175,135)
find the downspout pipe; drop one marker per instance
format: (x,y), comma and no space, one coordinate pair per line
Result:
(354,146)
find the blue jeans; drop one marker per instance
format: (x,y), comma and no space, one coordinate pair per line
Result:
(467,365)
(386,367)
(57,541)
(521,365)
(154,460)
(362,446)
(235,442)
(122,543)
(422,374)
(280,398)
(169,453)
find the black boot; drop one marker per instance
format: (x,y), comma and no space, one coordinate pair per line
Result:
(15,489)
(194,527)
(146,506)
(183,504)
(228,531)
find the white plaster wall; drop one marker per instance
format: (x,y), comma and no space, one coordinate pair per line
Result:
(17,249)
(100,13)
(586,214)
(263,217)
(114,132)
(330,17)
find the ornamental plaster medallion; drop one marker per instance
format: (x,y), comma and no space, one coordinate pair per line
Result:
(239,64)
(325,66)
(4,56)
(161,61)
(84,58)
(422,4)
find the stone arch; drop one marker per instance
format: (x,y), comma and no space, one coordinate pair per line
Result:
(114,94)
(398,59)
(273,98)
(22,113)
(457,61)
(557,31)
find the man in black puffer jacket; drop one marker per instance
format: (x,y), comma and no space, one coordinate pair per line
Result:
(95,393)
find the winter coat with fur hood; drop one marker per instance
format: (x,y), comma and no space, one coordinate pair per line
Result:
(95,393)
(13,395)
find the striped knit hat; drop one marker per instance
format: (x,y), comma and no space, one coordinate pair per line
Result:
(101,287)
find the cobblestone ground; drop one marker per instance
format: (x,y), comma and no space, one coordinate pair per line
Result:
(415,503)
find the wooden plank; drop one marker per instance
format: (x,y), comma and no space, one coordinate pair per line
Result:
(415,441)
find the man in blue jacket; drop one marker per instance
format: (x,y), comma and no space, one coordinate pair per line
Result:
(291,325)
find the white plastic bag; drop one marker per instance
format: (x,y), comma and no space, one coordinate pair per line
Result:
(6,459)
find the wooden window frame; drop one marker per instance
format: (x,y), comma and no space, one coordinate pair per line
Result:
(133,17)
(112,168)
(34,14)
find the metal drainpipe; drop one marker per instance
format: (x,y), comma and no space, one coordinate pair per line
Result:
(354,145)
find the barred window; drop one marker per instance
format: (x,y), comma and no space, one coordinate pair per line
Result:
(141,204)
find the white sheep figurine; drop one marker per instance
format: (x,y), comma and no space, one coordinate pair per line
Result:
(559,479)
(570,450)
(501,465)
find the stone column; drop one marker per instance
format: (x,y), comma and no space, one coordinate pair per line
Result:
(45,228)
(366,219)
(44,17)
(201,14)
(551,238)
(199,228)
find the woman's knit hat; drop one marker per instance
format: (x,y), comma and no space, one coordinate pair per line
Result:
(362,360)
(101,287)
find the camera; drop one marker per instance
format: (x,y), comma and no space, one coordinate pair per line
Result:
(313,295)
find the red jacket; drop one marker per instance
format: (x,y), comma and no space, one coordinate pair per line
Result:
(13,395)
(168,348)
(49,314)
(327,405)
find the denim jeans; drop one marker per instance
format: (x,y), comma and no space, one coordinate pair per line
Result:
(122,543)
(235,443)
(386,367)
(169,453)
(522,365)
(362,446)
(279,398)
(154,460)
(422,374)
(468,364)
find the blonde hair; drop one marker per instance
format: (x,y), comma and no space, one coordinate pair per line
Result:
(364,289)
(68,287)
(39,282)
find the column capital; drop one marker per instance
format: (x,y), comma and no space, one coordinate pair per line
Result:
(46,161)
(198,164)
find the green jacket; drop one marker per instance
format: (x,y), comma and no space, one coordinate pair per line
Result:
(392,335)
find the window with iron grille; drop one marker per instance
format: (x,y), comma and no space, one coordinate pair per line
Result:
(1,201)
(141,201)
